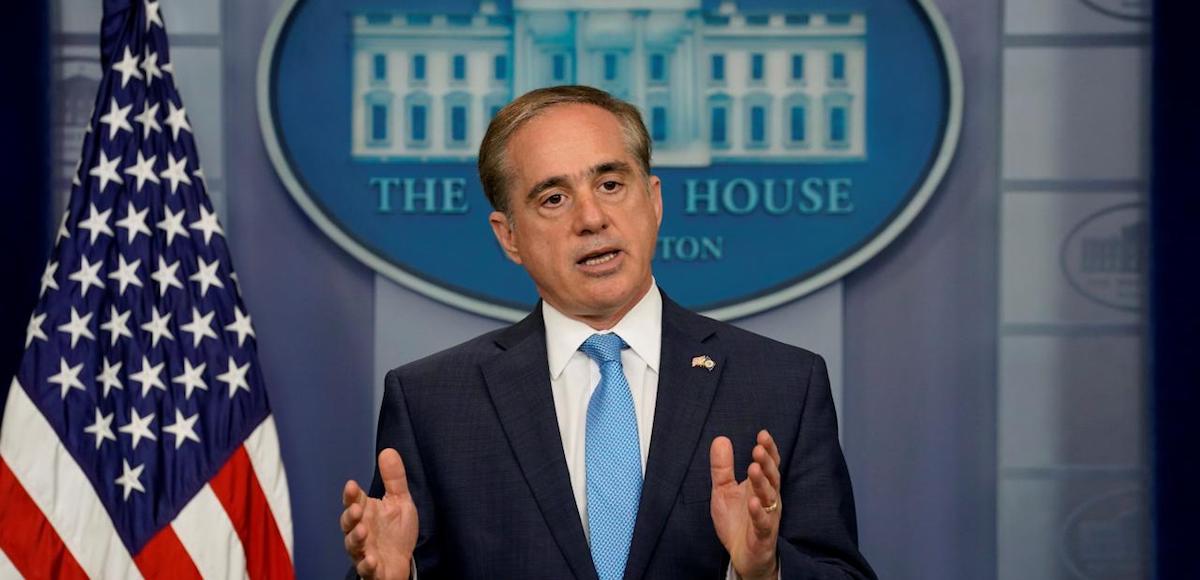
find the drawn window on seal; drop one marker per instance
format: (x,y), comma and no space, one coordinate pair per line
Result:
(500,67)
(658,68)
(659,105)
(379,68)
(416,71)
(458,68)
(378,109)
(457,111)
(797,106)
(798,68)
(837,69)
(717,69)
(758,68)
(718,120)
(758,120)
(837,120)
(417,111)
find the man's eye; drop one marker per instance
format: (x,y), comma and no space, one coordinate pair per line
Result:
(610,186)
(553,199)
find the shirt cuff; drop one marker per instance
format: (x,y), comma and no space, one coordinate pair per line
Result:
(412,570)
(731,574)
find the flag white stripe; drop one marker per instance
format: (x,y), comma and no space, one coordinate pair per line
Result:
(7,570)
(204,529)
(59,488)
(263,448)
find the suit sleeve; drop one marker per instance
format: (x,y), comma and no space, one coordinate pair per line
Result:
(818,535)
(396,431)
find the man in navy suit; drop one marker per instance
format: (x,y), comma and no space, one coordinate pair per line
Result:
(595,438)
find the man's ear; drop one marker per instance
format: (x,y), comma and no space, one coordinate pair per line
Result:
(656,197)
(503,230)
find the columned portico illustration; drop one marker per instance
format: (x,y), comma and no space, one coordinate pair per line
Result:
(723,86)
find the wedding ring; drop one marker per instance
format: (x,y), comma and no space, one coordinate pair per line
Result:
(771,508)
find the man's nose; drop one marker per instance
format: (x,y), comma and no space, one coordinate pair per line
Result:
(590,215)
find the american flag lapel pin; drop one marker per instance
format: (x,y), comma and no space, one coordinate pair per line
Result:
(703,361)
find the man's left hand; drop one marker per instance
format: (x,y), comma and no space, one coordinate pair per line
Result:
(746,515)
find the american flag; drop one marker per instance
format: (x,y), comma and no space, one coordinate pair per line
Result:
(137,440)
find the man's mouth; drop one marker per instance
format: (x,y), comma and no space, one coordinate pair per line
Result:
(597,258)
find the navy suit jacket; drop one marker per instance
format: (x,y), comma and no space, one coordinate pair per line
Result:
(476,427)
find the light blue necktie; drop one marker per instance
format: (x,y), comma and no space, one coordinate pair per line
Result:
(614,459)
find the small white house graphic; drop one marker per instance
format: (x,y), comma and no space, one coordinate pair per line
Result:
(724,86)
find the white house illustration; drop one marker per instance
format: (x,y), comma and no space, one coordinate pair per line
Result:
(724,86)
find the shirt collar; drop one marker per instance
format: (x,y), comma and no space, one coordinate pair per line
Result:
(641,329)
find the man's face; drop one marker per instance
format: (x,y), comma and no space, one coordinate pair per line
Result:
(584,218)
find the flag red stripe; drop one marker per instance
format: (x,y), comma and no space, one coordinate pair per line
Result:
(165,557)
(27,537)
(238,489)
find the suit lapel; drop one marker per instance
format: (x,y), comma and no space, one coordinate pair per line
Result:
(685,393)
(518,381)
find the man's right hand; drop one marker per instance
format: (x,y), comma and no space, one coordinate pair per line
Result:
(381,533)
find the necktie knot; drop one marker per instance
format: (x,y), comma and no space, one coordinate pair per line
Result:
(603,348)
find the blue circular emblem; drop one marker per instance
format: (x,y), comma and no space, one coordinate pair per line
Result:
(794,139)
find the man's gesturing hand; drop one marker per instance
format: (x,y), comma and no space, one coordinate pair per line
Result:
(739,510)
(381,533)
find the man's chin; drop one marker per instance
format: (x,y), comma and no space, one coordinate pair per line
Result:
(613,294)
(597,296)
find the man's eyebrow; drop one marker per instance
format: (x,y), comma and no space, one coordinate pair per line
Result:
(561,180)
(610,167)
(548,183)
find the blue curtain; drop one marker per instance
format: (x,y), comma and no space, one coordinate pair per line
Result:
(25,176)
(1175,310)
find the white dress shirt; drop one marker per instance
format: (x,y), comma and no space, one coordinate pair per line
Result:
(574,377)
